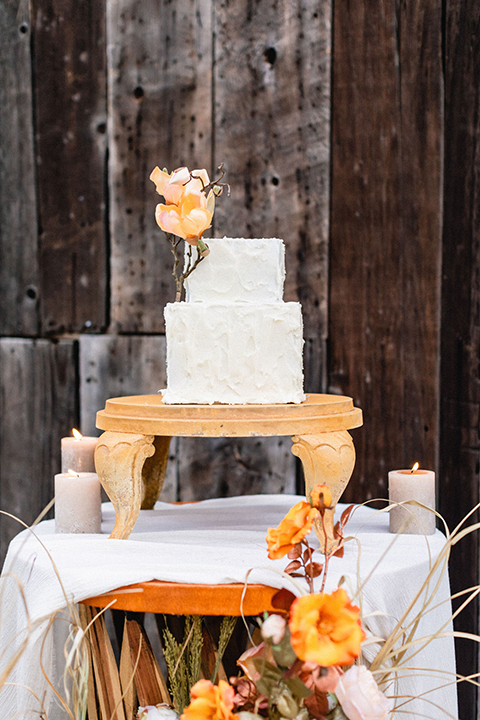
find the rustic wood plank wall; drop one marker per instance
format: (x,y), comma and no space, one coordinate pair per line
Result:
(18,208)
(386,232)
(460,307)
(70,124)
(37,406)
(377,102)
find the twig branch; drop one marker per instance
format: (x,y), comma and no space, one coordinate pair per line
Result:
(214,183)
(174,242)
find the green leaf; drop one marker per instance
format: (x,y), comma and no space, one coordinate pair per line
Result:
(298,688)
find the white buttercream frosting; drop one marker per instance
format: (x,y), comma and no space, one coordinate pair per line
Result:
(234,340)
(236,353)
(238,270)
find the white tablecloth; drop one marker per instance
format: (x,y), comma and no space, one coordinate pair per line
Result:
(215,541)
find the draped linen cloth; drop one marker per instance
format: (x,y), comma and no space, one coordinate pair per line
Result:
(211,542)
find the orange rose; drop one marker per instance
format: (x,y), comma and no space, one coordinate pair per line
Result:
(316,495)
(296,524)
(210,702)
(326,629)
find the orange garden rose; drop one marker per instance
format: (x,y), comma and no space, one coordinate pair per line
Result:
(326,628)
(296,524)
(210,702)
(188,211)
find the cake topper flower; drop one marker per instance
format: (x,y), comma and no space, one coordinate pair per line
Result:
(187,213)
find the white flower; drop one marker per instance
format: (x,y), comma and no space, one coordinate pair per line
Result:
(157,712)
(274,628)
(359,696)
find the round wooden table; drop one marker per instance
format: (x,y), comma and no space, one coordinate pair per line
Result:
(131,455)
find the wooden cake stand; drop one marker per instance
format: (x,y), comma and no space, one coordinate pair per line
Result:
(131,456)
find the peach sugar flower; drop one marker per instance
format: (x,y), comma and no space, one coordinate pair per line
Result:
(188,210)
(296,524)
(360,696)
(326,629)
(210,702)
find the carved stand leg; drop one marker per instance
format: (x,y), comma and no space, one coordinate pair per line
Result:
(119,461)
(154,472)
(326,458)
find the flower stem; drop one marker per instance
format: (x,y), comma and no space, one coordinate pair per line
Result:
(327,555)
(174,242)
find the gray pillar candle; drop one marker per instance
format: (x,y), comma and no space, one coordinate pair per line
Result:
(78,506)
(78,453)
(417,485)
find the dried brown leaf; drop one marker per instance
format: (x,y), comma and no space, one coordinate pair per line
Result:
(314,569)
(346,515)
(339,551)
(291,567)
(295,552)
(307,555)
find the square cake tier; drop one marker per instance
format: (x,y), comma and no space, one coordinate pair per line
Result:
(235,353)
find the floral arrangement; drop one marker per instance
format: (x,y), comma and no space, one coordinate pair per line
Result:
(187,213)
(304,667)
(307,666)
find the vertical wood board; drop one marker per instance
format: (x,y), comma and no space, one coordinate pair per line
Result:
(18,208)
(159,73)
(225,467)
(38,406)
(69,47)
(114,366)
(272,112)
(366,266)
(460,342)
(385,240)
(422,127)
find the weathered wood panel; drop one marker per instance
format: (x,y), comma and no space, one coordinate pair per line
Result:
(38,406)
(460,347)
(385,238)
(69,45)
(272,110)
(160,65)
(222,467)
(112,366)
(18,210)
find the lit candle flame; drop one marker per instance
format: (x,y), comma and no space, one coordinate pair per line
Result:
(73,473)
(415,467)
(76,434)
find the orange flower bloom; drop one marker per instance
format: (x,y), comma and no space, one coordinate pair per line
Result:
(188,211)
(316,492)
(210,702)
(296,524)
(188,220)
(326,629)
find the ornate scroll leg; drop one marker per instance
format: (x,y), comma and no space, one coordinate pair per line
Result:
(119,460)
(326,458)
(154,472)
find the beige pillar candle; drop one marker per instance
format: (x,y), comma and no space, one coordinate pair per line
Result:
(416,485)
(78,506)
(78,453)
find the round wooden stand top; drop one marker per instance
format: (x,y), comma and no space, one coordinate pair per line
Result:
(147,414)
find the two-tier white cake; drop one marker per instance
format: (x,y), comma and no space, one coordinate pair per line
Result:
(235,340)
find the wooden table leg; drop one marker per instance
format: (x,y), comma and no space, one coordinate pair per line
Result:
(119,461)
(154,471)
(326,458)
